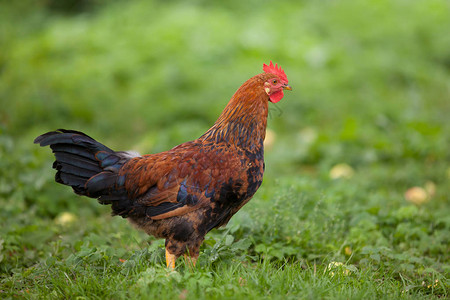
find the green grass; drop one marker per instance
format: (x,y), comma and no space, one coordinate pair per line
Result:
(371,91)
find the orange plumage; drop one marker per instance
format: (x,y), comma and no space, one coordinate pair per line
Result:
(183,193)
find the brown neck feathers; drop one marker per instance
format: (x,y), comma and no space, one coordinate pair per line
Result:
(243,121)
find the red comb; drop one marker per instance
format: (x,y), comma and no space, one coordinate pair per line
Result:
(275,70)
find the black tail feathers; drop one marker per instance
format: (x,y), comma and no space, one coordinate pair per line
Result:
(90,168)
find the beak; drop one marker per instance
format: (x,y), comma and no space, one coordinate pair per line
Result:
(287,87)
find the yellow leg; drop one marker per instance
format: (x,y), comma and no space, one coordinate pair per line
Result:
(170,260)
(190,261)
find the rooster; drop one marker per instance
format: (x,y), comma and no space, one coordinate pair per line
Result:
(183,193)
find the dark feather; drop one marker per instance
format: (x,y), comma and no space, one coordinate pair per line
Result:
(102,183)
(75,170)
(163,208)
(73,149)
(78,161)
(69,179)
(81,163)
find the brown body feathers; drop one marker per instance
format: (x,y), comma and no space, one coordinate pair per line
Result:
(183,193)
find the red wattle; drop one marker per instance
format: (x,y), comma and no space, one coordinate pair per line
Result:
(277,96)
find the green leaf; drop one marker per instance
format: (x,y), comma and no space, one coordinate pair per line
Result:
(375,257)
(242,244)
(229,240)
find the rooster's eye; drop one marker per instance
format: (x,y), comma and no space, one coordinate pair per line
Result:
(274,81)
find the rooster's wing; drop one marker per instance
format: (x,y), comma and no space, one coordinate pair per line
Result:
(177,181)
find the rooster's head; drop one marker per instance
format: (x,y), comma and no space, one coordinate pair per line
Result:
(275,85)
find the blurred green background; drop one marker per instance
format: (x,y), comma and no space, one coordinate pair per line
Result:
(371,89)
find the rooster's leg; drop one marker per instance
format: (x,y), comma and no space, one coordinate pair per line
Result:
(190,260)
(170,259)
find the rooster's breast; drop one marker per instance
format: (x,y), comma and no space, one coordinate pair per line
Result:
(240,174)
